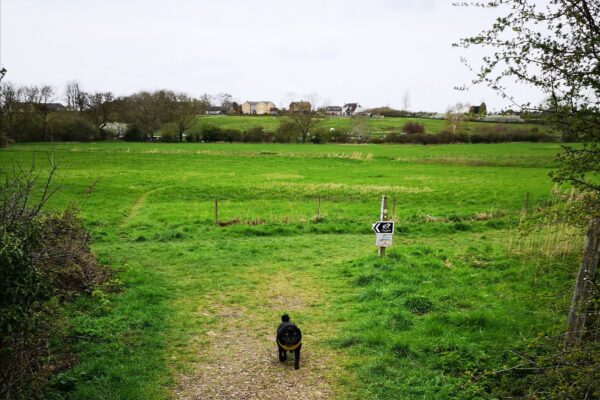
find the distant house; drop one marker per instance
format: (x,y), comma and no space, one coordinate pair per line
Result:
(274,111)
(257,107)
(351,109)
(480,109)
(52,107)
(333,110)
(41,107)
(216,110)
(300,106)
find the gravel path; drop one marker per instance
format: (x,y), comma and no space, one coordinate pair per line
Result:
(241,361)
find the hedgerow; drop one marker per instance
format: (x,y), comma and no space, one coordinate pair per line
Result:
(45,260)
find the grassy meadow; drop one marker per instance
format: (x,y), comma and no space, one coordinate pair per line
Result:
(375,126)
(458,293)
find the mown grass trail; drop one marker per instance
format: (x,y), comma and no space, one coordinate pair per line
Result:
(237,356)
(448,303)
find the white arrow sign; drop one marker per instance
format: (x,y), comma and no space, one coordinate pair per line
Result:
(383,227)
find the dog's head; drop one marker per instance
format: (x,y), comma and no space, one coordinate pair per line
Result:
(288,333)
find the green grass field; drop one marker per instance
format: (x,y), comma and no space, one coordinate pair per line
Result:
(375,126)
(457,292)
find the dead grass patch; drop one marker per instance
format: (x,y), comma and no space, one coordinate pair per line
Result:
(317,188)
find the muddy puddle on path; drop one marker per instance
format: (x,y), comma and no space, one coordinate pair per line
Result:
(239,360)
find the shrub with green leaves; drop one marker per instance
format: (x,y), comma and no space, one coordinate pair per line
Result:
(45,259)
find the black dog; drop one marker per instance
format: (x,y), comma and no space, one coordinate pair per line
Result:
(289,339)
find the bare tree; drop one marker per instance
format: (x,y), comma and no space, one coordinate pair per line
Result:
(148,110)
(359,127)
(22,113)
(184,111)
(101,109)
(303,122)
(46,95)
(553,46)
(406,100)
(76,98)
(303,117)
(224,100)
(8,98)
(206,99)
(455,116)
(145,111)
(30,94)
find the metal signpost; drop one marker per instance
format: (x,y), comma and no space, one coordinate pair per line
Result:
(383,228)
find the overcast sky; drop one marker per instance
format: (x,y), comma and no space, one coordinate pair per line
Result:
(370,52)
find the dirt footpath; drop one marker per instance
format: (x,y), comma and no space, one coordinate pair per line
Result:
(240,360)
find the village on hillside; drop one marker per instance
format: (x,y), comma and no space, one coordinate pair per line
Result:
(269,108)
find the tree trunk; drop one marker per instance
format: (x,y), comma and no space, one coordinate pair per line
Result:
(45,126)
(585,285)
(180,130)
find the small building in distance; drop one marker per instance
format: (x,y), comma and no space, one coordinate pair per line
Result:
(40,107)
(257,107)
(274,111)
(214,110)
(351,109)
(300,106)
(52,107)
(480,109)
(333,110)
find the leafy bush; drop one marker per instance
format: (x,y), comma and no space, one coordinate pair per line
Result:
(45,259)
(211,133)
(392,137)
(257,134)
(63,126)
(319,135)
(339,136)
(193,137)
(27,128)
(169,137)
(389,112)
(232,135)
(133,134)
(490,134)
(423,138)
(413,127)
(286,133)
(502,133)
(71,127)
(550,372)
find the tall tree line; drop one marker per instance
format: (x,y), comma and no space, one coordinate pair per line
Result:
(35,113)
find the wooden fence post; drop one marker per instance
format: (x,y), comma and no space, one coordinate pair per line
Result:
(584,287)
(216,212)
(383,217)
(318,206)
